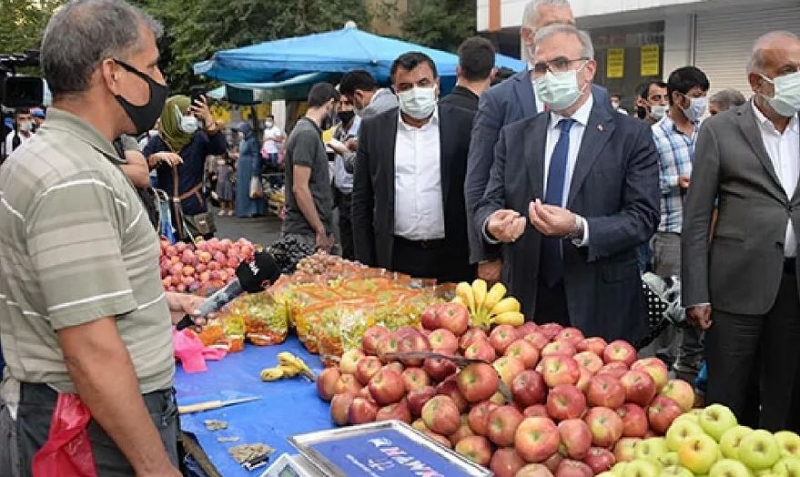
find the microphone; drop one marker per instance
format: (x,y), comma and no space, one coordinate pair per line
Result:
(251,277)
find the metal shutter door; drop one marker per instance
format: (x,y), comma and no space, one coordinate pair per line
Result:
(725,38)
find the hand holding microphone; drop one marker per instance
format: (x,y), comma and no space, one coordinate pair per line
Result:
(251,276)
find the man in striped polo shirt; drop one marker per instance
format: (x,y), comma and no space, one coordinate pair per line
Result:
(82,309)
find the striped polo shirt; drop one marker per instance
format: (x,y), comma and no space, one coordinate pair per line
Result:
(77,246)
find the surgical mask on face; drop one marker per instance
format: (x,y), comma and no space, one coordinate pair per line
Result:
(697,108)
(657,111)
(559,90)
(189,124)
(786,98)
(615,104)
(26,126)
(269,124)
(418,102)
(145,116)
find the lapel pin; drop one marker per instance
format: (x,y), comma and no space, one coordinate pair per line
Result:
(600,127)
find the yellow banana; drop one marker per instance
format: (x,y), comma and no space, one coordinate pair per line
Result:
(271,374)
(289,360)
(496,293)
(289,371)
(464,291)
(513,318)
(507,304)
(457,299)
(479,292)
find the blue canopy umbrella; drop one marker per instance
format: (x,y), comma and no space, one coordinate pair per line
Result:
(337,51)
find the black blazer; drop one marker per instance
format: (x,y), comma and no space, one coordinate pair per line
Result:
(374,186)
(614,186)
(463,98)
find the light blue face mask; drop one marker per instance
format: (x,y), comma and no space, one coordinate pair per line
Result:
(696,110)
(786,98)
(559,90)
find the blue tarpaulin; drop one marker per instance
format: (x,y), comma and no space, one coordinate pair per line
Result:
(286,408)
(337,51)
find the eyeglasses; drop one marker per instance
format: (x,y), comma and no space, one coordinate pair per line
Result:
(558,65)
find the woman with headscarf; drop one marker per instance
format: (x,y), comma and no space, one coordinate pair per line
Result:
(247,167)
(187,134)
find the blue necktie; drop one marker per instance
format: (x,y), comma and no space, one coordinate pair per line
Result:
(552,266)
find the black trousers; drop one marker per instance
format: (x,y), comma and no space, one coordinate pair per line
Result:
(37,403)
(436,260)
(551,304)
(739,345)
(346,226)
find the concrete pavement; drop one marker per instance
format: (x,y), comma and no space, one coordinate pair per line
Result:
(260,230)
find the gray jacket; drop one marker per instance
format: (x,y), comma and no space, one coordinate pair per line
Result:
(740,270)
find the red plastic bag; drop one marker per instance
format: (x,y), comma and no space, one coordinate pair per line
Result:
(68,450)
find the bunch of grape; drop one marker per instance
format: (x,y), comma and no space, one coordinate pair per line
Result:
(288,252)
(320,263)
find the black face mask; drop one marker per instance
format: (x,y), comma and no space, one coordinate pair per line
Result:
(346,116)
(144,117)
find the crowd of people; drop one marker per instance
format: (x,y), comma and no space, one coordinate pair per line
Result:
(540,181)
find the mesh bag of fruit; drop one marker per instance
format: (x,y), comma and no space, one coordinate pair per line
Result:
(266,321)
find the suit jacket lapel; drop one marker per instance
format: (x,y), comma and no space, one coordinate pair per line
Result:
(748,123)
(389,139)
(523,87)
(796,195)
(445,149)
(535,144)
(598,131)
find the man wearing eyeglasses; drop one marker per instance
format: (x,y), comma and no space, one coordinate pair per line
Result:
(500,106)
(572,194)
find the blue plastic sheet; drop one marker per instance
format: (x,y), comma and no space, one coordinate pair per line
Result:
(286,408)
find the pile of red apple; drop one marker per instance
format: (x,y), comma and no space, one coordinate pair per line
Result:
(209,264)
(572,398)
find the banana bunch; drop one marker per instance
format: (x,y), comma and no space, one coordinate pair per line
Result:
(489,307)
(289,366)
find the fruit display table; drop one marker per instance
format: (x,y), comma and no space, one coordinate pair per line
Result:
(286,408)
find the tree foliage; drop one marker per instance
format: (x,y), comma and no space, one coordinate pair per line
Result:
(441,24)
(22,23)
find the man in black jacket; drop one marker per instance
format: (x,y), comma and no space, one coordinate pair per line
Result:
(409,212)
(475,72)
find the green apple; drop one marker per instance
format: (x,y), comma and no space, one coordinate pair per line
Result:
(607,473)
(729,468)
(716,419)
(689,416)
(787,467)
(675,471)
(642,468)
(680,430)
(730,441)
(789,442)
(619,468)
(698,453)
(652,449)
(759,450)
(669,459)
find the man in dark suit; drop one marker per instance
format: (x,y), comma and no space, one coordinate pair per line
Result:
(475,73)
(510,101)
(742,286)
(408,191)
(586,179)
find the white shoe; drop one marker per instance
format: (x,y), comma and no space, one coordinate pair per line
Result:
(221,213)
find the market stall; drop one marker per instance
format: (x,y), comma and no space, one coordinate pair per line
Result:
(462,368)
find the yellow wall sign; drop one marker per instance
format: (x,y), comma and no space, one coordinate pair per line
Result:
(651,60)
(615,63)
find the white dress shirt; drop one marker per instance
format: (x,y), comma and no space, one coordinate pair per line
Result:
(784,152)
(581,117)
(418,202)
(342,179)
(270,144)
(10,141)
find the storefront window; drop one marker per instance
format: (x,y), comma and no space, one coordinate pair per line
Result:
(627,56)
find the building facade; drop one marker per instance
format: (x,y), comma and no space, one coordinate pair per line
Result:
(636,40)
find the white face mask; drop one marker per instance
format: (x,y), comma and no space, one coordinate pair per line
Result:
(559,90)
(188,124)
(786,98)
(269,124)
(615,104)
(657,111)
(696,110)
(26,126)
(418,102)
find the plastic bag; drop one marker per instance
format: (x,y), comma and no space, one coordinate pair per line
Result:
(256,188)
(68,450)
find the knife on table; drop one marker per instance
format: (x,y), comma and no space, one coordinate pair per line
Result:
(216,404)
